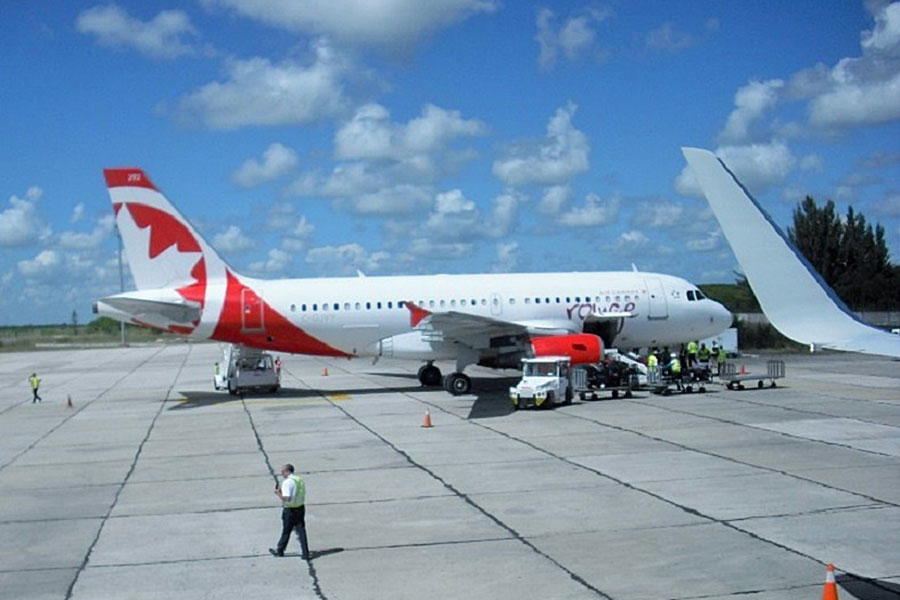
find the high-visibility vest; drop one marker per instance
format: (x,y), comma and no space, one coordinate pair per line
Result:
(652,362)
(35,382)
(722,356)
(299,497)
(676,365)
(704,353)
(692,347)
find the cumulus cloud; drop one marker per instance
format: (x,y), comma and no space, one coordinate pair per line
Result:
(631,240)
(758,166)
(168,35)
(257,91)
(83,241)
(750,103)
(345,259)
(708,243)
(560,155)
(77,213)
(861,90)
(232,240)
(572,37)
(388,167)
(46,264)
(371,135)
(20,223)
(298,236)
(386,23)
(277,260)
(594,212)
(507,254)
(277,160)
(668,37)
(554,199)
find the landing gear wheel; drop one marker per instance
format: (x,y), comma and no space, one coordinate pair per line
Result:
(429,376)
(759,384)
(457,384)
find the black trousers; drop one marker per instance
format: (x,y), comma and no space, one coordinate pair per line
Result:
(36,398)
(293,519)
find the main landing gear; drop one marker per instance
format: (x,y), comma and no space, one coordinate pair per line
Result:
(429,375)
(455,383)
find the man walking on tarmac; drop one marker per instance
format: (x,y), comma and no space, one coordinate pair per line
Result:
(35,382)
(292,493)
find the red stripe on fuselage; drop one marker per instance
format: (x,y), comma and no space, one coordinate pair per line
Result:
(279,333)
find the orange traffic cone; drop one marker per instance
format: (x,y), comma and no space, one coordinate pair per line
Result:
(69,402)
(743,370)
(427,422)
(830,591)
(324,371)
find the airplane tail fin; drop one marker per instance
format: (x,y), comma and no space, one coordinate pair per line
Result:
(163,248)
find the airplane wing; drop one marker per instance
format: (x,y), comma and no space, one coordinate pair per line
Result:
(794,297)
(473,330)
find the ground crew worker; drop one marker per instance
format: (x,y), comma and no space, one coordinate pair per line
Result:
(721,357)
(652,363)
(692,349)
(292,493)
(703,354)
(35,382)
(674,367)
(278,366)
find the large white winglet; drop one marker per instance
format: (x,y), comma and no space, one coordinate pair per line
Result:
(794,297)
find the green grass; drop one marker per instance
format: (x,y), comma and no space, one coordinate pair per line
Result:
(102,331)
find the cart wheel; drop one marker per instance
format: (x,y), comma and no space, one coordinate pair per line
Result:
(615,394)
(759,384)
(730,386)
(628,394)
(582,396)
(593,395)
(740,386)
(689,389)
(773,384)
(667,392)
(702,389)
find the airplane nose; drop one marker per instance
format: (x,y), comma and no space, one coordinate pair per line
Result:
(724,316)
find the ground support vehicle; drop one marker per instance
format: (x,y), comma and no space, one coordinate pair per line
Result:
(734,380)
(245,369)
(546,381)
(612,376)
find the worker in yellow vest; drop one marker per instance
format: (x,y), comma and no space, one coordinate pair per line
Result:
(692,349)
(703,354)
(292,493)
(721,357)
(652,363)
(35,382)
(674,369)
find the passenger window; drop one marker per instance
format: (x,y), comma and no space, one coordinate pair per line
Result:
(337,306)
(453,303)
(547,300)
(512,300)
(483,302)
(537,300)
(568,300)
(303,308)
(324,306)
(557,299)
(346,306)
(443,303)
(357,306)
(690,295)
(316,307)
(474,302)
(390,305)
(527,300)
(293,308)
(378,305)
(462,302)
(431,303)
(496,301)
(577,298)
(368,306)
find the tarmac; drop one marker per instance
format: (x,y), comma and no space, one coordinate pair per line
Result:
(154,486)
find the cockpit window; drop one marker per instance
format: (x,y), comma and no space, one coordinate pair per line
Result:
(700,295)
(690,295)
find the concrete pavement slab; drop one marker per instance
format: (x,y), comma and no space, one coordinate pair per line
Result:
(676,465)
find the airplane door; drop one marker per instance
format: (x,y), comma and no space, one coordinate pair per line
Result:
(251,311)
(659,307)
(496,305)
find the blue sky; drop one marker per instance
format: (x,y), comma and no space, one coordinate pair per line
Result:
(318,138)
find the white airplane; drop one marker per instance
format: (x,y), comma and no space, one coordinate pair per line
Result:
(490,320)
(794,297)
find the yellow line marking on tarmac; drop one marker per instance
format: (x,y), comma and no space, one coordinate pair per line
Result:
(339,397)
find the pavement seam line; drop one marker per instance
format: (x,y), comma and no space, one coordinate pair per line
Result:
(464,497)
(310,567)
(77,410)
(137,455)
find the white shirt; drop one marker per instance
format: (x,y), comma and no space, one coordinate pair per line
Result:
(288,488)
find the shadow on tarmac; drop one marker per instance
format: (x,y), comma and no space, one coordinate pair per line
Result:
(868,589)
